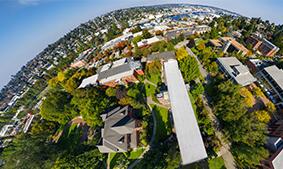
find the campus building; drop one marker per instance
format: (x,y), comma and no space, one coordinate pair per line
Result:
(120,132)
(123,71)
(236,71)
(272,78)
(262,45)
(228,44)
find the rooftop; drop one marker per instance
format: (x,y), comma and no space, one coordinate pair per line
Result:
(118,125)
(164,56)
(278,160)
(239,72)
(276,74)
(188,134)
(92,80)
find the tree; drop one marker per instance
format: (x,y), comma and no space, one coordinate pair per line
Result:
(248,97)
(54,107)
(146,34)
(270,107)
(263,116)
(91,159)
(111,92)
(32,150)
(181,53)
(90,103)
(189,68)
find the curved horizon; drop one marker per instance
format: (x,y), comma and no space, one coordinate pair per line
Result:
(15,59)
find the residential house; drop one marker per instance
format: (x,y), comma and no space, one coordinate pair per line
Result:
(236,71)
(120,132)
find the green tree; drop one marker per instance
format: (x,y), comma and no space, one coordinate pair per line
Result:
(54,107)
(146,34)
(90,103)
(189,68)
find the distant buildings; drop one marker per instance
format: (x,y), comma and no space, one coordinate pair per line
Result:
(229,44)
(272,78)
(235,70)
(122,71)
(196,29)
(112,43)
(81,60)
(120,132)
(262,45)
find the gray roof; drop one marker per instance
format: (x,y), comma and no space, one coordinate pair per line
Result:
(161,56)
(278,160)
(118,126)
(276,74)
(239,72)
(114,71)
(188,134)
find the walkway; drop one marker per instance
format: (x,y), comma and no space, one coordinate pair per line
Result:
(149,102)
(225,149)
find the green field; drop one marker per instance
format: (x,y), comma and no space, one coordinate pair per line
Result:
(136,154)
(163,128)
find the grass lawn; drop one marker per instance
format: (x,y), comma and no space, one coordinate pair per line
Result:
(216,163)
(163,127)
(136,154)
(149,89)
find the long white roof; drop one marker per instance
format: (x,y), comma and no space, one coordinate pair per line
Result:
(188,134)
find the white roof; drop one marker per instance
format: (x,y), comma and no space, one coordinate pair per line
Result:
(276,74)
(89,81)
(105,67)
(119,62)
(239,72)
(188,133)
(149,41)
(278,161)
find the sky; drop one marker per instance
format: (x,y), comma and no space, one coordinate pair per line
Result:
(28,26)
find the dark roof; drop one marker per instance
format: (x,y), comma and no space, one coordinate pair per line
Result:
(118,125)
(161,56)
(114,71)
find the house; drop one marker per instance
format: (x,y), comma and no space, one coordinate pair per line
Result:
(235,70)
(146,42)
(262,45)
(120,132)
(228,44)
(272,78)
(122,71)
